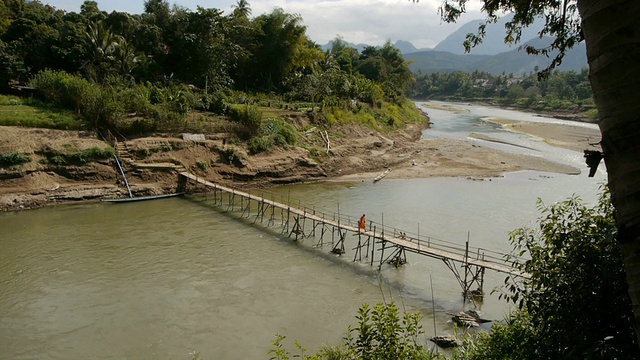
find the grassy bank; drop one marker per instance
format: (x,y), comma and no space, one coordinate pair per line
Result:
(15,111)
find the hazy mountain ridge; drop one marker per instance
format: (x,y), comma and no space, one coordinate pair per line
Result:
(405,47)
(492,55)
(492,44)
(514,61)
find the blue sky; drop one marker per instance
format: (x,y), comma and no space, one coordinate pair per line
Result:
(356,21)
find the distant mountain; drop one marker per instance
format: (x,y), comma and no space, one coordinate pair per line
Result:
(405,47)
(493,42)
(513,61)
(358,47)
(492,56)
(431,61)
(519,62)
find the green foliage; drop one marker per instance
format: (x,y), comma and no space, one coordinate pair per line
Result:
(135,98)
(64,89)
(202,165)
(102,108)
(380,334)
(506,341)
(148,151)
(105,105)
(279,352)
(99,105)
(259,144)
(138,74)
(575,305)
(13,159)
(249,117)
(206,47)
(387,116)
(215,103)
(56,157)
(289,133)
(563,91)
(280,46)
(593,114)
(33,113)
(280,132)
(232,156)
(142,73)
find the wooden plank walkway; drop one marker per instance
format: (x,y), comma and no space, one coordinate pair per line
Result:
(414,245)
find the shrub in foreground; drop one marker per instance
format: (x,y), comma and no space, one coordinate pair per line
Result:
(381,333)
(575,305)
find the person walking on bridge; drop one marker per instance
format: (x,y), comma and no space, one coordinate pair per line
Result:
(362,225)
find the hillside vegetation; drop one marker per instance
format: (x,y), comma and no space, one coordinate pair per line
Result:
(252,85)
(565,94)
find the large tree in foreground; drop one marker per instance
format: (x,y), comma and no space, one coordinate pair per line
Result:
(611,31)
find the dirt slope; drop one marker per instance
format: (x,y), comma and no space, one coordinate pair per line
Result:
(151,164)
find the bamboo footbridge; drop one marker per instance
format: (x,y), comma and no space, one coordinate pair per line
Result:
(467,264)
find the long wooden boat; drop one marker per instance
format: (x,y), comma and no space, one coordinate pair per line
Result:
(143,198)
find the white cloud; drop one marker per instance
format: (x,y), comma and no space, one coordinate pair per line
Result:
(357,21)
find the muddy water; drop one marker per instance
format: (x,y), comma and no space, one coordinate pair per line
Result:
(158,280)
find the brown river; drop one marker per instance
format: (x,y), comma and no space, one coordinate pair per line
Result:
(167,278)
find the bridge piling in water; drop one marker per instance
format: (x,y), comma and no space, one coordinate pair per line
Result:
(293,221)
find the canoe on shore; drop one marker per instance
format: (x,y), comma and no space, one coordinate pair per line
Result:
(142,198)
(381,176)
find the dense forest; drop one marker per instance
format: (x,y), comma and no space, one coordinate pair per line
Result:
(568,91)
(169,60)
(160,65)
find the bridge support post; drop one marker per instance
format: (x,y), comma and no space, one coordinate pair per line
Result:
(182,184)
(473,274)
(381,254)
(324,229)
(372,242)
(297,229)
(398,258)
(358,248)
(339,247)
(231,197)
(285,228)
(272,218)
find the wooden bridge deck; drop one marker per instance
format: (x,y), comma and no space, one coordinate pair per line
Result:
(417,246)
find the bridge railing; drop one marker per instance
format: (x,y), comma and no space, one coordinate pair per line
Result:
(461,249)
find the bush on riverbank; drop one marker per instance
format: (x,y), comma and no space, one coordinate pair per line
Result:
(380,333)
(565,92)
(576,304)
(13,159)
(70,157)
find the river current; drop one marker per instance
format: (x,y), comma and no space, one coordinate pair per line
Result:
(162,279)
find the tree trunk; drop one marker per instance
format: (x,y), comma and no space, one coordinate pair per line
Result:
(611,30)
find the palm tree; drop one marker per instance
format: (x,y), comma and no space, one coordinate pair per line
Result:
(126,57)
(103,45)
(241,9)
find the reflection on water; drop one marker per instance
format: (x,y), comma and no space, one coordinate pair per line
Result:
(158,280)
